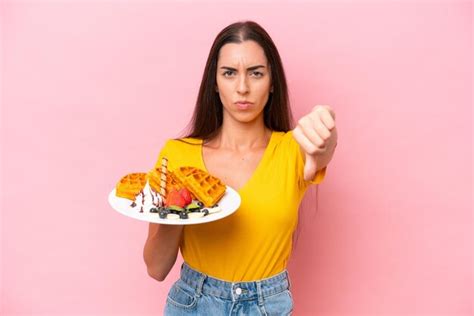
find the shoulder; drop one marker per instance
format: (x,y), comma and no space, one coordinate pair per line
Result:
(286,141)
(294,157)
(172,144)
(181,146)
(286,147)
(176,149)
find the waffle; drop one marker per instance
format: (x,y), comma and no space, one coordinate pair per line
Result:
(154,179)
(130,185)
(205,187)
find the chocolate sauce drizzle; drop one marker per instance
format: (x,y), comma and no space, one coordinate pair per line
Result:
(143,201)
(153,198)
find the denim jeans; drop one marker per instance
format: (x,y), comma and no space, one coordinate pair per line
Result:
(195,293)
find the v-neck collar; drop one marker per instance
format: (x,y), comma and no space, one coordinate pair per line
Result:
(259,165)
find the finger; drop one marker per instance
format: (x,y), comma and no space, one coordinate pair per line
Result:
(314,130)
(323,132)
(304,142)
(328,117)
(310,168)
(329,109)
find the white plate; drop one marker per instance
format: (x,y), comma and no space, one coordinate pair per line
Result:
(229,203)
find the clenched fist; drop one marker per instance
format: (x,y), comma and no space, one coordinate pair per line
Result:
(316,134)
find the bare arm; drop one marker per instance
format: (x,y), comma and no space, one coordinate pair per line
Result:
(161,249)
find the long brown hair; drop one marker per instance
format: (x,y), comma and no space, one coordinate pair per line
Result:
(208,114)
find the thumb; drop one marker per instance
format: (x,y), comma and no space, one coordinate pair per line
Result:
(310,168)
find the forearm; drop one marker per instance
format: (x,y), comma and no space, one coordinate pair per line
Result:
(161,249)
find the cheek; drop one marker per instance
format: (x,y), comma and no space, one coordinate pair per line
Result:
(264,87)
(264,95)
(225,88)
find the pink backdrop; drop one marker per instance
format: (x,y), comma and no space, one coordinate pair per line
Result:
(91,91)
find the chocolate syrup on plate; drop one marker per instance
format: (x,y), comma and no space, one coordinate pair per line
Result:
(143,201)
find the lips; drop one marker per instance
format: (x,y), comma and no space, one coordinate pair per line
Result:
(243,105)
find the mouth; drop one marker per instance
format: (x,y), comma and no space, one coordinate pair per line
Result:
(243,102)
(243,105)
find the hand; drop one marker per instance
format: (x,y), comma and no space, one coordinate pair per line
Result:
(316,134)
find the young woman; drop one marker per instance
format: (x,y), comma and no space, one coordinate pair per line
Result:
(241,132)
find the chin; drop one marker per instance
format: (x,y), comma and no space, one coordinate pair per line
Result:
(245,117)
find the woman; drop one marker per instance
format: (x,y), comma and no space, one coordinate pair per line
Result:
(241,133)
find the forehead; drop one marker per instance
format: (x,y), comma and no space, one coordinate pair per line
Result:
(245,53)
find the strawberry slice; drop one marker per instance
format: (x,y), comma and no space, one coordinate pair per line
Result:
(186,195)
(174,198)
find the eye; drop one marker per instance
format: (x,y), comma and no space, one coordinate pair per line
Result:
(256,73)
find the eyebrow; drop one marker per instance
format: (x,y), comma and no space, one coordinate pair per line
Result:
(250,68)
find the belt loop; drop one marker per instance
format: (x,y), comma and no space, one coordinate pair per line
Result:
(259,293)
(232,291)
(200,284)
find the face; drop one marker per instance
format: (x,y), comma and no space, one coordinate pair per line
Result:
(243,74)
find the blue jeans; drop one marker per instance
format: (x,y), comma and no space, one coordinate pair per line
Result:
(195,293)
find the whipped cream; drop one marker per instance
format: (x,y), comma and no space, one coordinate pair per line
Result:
(147,199)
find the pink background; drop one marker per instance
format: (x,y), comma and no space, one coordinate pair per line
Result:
(90,91)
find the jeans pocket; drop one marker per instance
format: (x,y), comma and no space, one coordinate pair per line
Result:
(181,297)
(278,304)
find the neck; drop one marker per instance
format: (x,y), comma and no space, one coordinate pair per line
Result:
(239,136)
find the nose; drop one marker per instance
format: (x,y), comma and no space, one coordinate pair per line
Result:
(242,86)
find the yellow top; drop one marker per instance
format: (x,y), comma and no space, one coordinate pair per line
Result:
(254,242)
